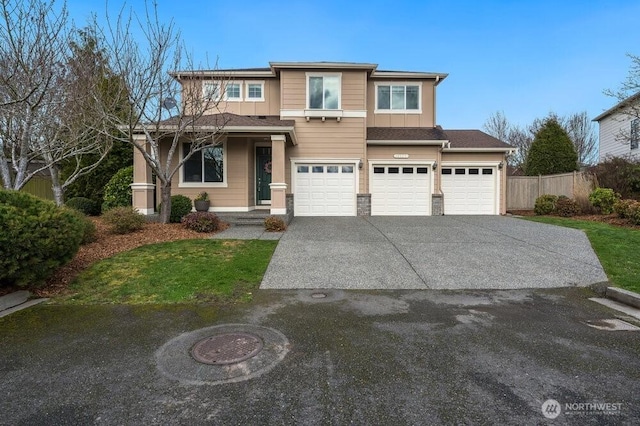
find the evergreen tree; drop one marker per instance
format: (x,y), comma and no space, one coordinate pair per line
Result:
(551,151)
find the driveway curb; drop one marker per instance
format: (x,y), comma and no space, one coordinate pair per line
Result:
(623,296)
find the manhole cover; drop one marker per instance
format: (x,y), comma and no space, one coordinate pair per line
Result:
(318,295)
(228,348)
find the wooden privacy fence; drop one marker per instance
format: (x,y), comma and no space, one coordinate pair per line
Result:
(522,191)
(40,187)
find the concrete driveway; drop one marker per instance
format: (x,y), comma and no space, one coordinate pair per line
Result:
(438,252)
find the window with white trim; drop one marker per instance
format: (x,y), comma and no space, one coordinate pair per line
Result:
(398,97)
(211,90)
(323,91)
(255,91)
(233,92)
(205,166)
(634,134)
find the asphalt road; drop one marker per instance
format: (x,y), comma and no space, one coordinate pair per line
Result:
(378,357)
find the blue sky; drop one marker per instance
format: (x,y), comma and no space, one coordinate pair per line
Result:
(525,58)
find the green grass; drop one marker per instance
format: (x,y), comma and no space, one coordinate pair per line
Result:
(223,271)
(617,248)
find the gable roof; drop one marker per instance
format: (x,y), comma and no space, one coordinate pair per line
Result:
(622,104)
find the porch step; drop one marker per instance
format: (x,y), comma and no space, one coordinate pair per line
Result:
(253,218)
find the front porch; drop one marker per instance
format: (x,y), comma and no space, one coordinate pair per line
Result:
(243,172)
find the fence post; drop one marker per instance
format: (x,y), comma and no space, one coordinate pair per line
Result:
(573,188)
(539,185)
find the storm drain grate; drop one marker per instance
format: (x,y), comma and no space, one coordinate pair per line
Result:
(227,348)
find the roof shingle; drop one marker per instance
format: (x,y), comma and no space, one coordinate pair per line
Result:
(227,119)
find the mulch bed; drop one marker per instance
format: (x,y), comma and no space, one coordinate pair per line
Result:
(611,219)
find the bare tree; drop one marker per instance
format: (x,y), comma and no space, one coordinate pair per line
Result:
(163,112)
(43,114)
(582,133)
(578,126)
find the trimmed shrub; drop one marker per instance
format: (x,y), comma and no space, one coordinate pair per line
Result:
(545,204)
(201,222)
(624,208)
(567,207)
(620,174)
(634,213)
(36,237)
(117,192)
(274,224)
(88,227)
(603,199)
(180,207)
(123,220)
(84,205)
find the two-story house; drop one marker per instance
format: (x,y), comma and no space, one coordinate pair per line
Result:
(336,139)
(619,129)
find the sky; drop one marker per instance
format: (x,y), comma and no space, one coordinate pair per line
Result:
(523,58)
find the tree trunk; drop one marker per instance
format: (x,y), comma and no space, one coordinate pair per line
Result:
(58,194)
(165,196)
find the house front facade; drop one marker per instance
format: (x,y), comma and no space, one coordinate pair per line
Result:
(334,139)
(619,130)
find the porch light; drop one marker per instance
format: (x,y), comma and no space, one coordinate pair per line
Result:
(434,166)
(500,165)
(360,164)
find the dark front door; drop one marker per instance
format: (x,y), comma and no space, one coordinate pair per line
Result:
(263,175)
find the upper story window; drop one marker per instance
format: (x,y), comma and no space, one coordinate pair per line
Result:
(398,97)
(634,134)
(255,91)
(323,91)
(211,90)
(233,92)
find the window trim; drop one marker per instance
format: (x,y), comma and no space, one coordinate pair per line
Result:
(246,96)
(323,74)
(215,83)
(225,166)
(226,92)
(398,111)
(634,134)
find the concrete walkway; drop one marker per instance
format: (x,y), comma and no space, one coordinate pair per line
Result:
(247,233)
(438,252)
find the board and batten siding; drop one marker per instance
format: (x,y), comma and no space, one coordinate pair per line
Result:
(611,134)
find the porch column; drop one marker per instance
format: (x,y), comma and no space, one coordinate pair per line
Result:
(142,187)
(277,185)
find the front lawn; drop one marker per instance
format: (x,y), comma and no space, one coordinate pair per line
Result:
(616,247)
(224,271)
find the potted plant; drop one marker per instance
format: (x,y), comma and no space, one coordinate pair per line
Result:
(201,202)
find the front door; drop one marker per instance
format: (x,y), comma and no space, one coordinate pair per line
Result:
(263,175)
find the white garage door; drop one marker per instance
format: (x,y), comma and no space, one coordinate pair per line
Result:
(400,190)
(325,190)
(469,190)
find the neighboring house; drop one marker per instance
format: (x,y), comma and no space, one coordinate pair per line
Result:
(619,129)
(336,139)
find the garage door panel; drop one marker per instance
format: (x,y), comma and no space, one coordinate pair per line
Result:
(327,192)
(399,190)
(469,190)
